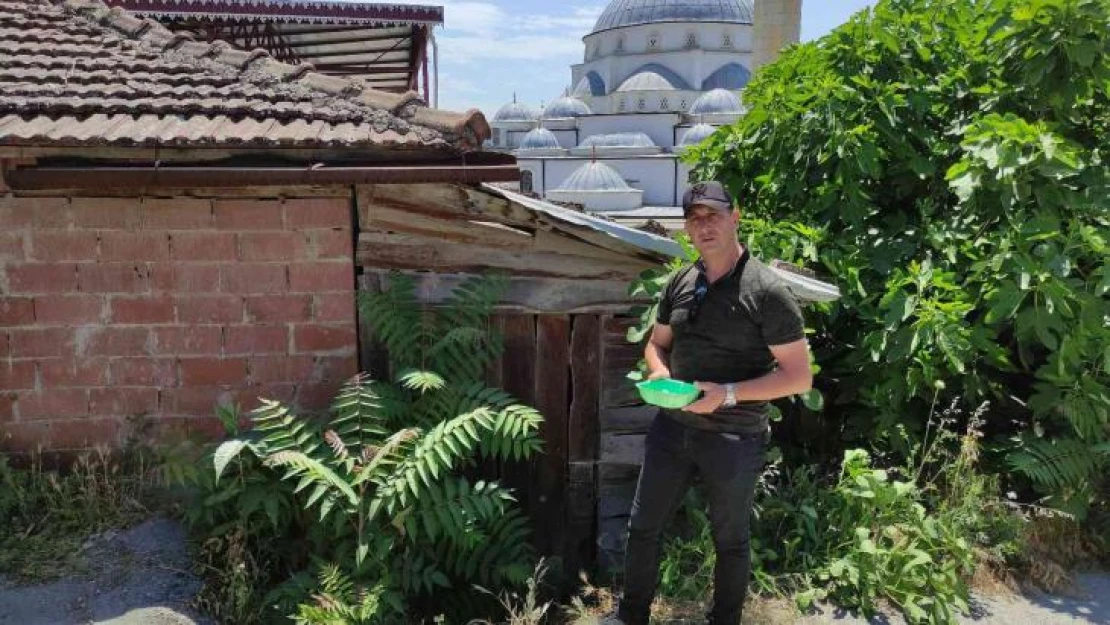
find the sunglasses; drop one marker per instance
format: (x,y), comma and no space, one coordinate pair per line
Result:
(701,287)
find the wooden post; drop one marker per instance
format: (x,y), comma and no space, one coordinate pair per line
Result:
(582,442)
(548,499)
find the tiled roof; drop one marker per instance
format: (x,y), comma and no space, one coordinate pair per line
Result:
(75,73)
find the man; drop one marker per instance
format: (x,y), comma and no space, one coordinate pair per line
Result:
(730,324)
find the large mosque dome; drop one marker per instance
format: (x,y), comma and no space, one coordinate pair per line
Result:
(621,13)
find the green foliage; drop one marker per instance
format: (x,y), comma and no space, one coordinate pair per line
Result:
(47,515)
(950,158)
(373,506)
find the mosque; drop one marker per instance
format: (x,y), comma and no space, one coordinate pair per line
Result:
(656,77)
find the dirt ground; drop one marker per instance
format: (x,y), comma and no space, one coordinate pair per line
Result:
(141,577)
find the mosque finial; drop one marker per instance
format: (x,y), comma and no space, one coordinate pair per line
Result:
(514,97)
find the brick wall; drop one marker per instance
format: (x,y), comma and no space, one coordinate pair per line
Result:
(114,308)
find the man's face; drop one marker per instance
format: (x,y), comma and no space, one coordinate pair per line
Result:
(711,229)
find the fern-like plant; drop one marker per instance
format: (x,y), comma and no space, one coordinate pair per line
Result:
(388,515)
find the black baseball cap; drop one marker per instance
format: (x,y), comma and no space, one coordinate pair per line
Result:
(711,194)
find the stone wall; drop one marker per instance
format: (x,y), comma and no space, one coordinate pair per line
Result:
(121,311)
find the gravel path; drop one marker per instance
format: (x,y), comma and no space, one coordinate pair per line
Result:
(136,577)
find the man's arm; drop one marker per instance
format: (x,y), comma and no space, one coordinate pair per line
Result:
(791,377)
(657,353)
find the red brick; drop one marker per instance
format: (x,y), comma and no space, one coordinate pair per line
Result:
(186,278)
(316,397)
(271,308)
(116,213)
(41,342)
(161,372)
(253,278)
(331,244)
(187,340)
(17,374)
(24,437)
(5,345)
(42,278)
(210,309)
(195,400)
(50,212)
(114,277)
(210,371)
(292,369)
(255,246)
(256,340)
(318,277)
(122,401)
(251,397)
(179,213)
(158,309)
(85,434)
(313,338)
(248,214)
(58,403)
(203,246)
(136,246)
(7,412)
(15,213)
(334,307)
(73,372)
(317,213)
(16,311)
(114,341)
(12,246)
(54,245)
(68,309)
(337,369)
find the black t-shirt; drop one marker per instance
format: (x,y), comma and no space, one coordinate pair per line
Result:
(727,337)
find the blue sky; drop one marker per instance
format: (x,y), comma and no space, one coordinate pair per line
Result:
(489,49)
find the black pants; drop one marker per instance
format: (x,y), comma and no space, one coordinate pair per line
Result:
(729,466)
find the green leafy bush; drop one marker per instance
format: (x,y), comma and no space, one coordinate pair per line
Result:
(949,160)
(368,516)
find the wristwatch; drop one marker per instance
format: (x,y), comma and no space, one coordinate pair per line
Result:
(730,396)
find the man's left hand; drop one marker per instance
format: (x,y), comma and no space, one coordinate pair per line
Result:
(713,395)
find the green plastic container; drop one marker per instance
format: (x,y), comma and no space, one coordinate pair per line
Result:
(668,393)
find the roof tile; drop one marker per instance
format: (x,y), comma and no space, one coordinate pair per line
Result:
(76,73)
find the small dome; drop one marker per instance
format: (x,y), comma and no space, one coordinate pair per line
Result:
(618,140)
(622,13)
(718,101)
(515,112)
(595,177)
(696,135)
(539,139)
(566,107)
(732,76)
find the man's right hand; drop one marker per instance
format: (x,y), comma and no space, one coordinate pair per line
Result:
(659,374)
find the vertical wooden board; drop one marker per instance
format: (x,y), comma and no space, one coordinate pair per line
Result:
(585,367)
(490,469)
(582,441)
(518,378)
(548,497)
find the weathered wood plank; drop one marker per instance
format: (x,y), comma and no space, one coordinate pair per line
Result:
(627,419)
(585,366)
(581,517)
(612,535)
(518,378)
(527,294)
(548,497)
(622,448)
(409,251)
(615,499)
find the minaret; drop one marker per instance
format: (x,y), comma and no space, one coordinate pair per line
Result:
(778,23)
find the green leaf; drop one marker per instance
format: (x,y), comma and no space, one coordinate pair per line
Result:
(225,453)
(813,400)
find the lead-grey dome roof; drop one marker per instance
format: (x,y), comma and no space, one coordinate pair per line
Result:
(717,101)
(696,135)
(566,107)
(539,139)
(618,140)
(622,13)
(515,112)
(594,177)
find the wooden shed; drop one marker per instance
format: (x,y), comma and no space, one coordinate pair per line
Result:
(184,224)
